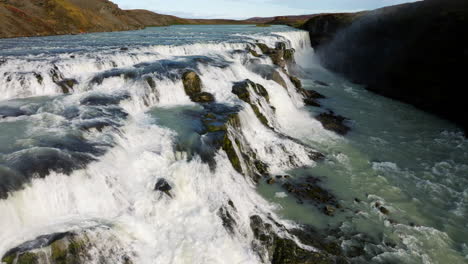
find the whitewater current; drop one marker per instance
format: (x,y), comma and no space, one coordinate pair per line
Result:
(91,124)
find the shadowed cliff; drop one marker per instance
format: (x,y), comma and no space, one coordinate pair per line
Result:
(416,53)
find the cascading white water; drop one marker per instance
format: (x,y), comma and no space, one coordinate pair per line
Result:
(117,190)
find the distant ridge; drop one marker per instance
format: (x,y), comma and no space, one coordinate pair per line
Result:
(281,19)
(21,18)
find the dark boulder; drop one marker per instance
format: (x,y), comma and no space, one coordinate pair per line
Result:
(203,97)
(309,189)
(321,83)
(67,85)
(333,122)
(163,186)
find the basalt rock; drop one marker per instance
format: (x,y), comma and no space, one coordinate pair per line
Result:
(241,90)
(67,85)
(297,83)
(309,189)
(333,122)
(163,186)
(279,55)
(193,88)
(192,83)
(62,248)
(203,97)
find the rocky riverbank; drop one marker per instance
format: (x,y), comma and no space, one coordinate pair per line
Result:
(414,52)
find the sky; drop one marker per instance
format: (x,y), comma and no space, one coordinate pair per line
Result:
(241,9)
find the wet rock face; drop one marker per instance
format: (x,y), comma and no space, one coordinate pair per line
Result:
(192,83)
(333,122)
(67,247)
(277,250)
(415,53)
(241,90)
(280,55)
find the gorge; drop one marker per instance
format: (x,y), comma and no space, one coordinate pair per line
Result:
(219,144)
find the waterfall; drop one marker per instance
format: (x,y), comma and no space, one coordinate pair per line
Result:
(109,100)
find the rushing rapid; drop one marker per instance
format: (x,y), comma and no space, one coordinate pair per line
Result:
(99,138)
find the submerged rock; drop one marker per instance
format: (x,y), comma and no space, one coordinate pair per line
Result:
(310,190)
(333,122)
(321,83)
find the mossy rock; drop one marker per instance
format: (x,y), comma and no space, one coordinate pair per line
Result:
(27,258)
(277,58)
(333,122)
(9,259)
(59,252)
(254,53)
(67,85)
(276,76)
(289,55)
(228,147)
(192,83)
(296,81)
(150,82)
(264,48)
(283,250)
(202,97)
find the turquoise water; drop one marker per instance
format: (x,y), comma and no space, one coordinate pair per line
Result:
(411,162)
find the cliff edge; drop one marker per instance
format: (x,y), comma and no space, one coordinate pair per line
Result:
(416,53)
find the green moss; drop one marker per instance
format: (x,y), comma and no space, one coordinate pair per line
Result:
(260,116)
(231,153)
(150,82)
(59,252)
(263,25)
(75,247)
(289,55)
(254,53)
(9,259)
(27,258)
(192,83)
(264,48)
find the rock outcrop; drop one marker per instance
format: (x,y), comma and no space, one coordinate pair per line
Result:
(415,53)
(78,247)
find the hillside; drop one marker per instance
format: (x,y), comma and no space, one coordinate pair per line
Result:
(20,18)
(284,20)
